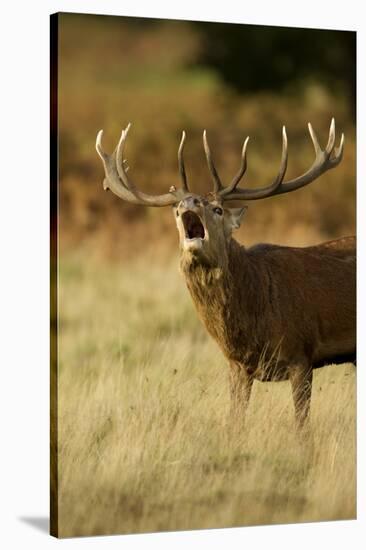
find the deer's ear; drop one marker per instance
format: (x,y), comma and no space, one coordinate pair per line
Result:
(236,216)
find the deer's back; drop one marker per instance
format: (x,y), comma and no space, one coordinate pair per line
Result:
(345,246)
(303,300)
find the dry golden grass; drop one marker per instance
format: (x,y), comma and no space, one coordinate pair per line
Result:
(145,438)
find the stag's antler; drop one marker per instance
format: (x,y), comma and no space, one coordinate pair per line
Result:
(118,182)
(324,160)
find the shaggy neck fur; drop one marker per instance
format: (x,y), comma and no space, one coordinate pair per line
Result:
(228,300)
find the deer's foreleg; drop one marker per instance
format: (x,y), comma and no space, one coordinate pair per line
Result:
(301,378)
(240,389)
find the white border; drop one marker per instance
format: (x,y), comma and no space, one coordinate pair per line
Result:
(24,284)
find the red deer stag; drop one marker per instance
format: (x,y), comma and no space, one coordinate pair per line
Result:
(277,312)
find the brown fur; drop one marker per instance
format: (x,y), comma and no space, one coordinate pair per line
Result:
(276,312)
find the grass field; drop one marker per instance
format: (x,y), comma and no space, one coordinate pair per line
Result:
(145,438)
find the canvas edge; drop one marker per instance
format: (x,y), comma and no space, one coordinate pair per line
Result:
(54,24)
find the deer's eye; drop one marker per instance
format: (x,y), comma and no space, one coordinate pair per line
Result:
(218,210)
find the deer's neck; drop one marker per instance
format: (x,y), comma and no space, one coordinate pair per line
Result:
(221,296)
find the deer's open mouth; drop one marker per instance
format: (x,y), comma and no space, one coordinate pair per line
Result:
(193,226)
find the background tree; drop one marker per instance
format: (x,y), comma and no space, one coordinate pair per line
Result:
(251,58)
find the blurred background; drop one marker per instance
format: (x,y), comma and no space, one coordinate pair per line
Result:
(234,80)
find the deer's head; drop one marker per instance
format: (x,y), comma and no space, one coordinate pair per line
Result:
(205,223)
(205,226)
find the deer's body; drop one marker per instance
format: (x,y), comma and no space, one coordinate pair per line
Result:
(276,312)
(271,307)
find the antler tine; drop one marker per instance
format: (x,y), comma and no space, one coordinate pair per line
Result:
(103,155)
(98,146)
(263,192)
(314,139)
(339,150)
(117,181)
(181,167)
(324,160)
(284,156)
(336,158)
(215,177)
(122,172)
(242,169)
(331,138)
